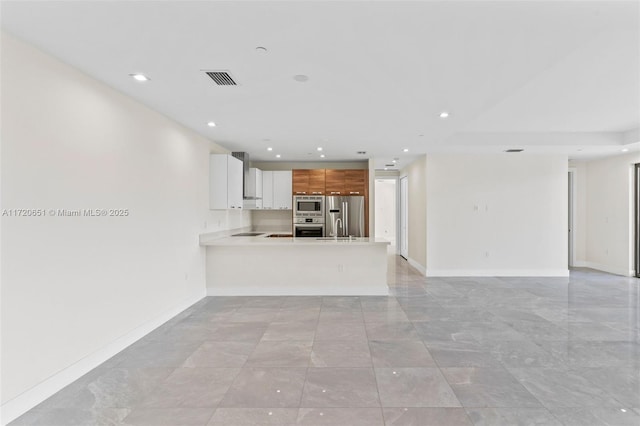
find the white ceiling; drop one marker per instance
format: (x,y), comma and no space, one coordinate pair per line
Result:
(547,76)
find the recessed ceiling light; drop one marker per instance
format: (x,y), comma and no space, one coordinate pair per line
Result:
(277,155)
(211,124)
(625,150)
(139,77)
(385,168)
(319,148)
(444,114)
(321,155)
(405,150)
(301,78)
(261,49)
(269,149)
(395,161)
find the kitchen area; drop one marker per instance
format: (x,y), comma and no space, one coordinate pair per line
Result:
(311,222)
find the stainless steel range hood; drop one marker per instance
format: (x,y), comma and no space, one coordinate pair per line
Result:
(248,185)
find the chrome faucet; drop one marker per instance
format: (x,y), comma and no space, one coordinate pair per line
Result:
(335,226)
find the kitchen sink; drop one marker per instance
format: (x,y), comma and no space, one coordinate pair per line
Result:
(280,236)
(248,234)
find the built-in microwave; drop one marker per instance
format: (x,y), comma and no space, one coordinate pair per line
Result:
(308,206)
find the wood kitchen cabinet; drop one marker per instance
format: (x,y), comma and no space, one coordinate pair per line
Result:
(356,182)
(308,181)
(300,179)
(334,182)
(225,182)
(317,181)
(346,182)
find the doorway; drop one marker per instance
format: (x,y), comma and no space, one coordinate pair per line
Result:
(385,210)
(404,217)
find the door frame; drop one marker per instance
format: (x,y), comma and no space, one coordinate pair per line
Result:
(571,215)
(403,211)
(636,221)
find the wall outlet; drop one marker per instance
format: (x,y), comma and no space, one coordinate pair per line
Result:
(486,254)
(340,268)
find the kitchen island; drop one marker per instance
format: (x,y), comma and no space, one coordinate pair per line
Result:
(263,266)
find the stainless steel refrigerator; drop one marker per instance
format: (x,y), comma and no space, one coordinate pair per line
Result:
(344,216)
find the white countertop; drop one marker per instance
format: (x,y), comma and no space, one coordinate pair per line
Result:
(214,239)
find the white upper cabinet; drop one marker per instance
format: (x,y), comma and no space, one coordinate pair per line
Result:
(267,189)
(276,190)
(282,190)
(225,182)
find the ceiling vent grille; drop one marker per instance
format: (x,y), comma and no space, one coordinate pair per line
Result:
(514,150)
(389,165)
(221,78)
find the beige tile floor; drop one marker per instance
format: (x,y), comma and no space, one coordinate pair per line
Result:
(438,351)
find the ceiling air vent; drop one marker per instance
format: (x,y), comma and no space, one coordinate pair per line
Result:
(390,165)
(221,78)
(514,150)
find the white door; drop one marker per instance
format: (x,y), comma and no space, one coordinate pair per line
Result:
(404,218)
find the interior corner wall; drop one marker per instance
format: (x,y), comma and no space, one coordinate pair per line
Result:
(497,215)
(416,173)
(74,285)
(609,227)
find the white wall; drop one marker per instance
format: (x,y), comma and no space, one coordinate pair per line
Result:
(609,229)
(385,211)
(499,215)
(416,173)
(72,286)
(580,212)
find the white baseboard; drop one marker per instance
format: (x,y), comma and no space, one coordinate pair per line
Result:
(606,268)
(328,290)
(497,273)
(417,265)
(19,405)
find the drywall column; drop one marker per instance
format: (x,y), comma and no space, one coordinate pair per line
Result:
(497,215)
